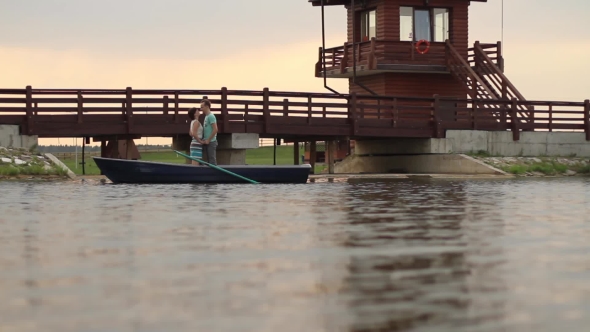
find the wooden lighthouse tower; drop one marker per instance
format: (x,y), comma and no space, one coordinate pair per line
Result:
(414,48)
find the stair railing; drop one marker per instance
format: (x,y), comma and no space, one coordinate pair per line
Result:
(496,79)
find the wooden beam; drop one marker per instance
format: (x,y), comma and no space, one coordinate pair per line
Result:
(312,155)
(296,153)
(330,150)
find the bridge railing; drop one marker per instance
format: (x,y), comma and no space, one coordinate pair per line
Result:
(93,112)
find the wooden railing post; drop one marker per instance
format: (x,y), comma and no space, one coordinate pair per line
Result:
(504,116)
(499,56)
(165,105)
(319,64)
(309,108)
(372,57)
(285,107)
(587,118)
(80,106)
(176,118)
(266,109)
(246,120)
(551,118)
(514,116)
(29,108)
(476,49)
(224,112)
(129,108)
(436,117)
(394,113)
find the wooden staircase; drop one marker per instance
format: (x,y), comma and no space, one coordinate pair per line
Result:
(484,79)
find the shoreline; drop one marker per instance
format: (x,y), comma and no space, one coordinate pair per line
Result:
(23,164)
(342,176)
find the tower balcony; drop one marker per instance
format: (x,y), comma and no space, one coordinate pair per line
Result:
(392,56)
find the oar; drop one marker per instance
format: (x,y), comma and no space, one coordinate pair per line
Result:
(216,167)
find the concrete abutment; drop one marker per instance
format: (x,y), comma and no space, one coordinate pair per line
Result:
(447,155)
(10,137)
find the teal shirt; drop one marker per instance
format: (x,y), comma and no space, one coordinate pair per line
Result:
(208,126)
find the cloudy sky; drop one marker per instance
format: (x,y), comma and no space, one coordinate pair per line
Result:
(197,44)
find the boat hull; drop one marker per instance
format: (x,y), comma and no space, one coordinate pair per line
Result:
(137,171)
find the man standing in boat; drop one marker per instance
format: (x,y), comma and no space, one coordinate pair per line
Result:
(209,133)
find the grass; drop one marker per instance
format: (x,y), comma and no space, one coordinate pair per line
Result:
(260,156)
(11,170)
(547,168)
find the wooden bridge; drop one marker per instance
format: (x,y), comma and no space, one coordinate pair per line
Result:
(129,113)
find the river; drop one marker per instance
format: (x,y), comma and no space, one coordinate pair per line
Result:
(348,255)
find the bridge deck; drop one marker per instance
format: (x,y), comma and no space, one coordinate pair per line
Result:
(291,115)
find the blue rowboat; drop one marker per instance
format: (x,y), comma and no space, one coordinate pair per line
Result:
(138,171)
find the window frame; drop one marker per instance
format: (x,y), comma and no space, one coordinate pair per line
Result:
(430,10)
(358,30)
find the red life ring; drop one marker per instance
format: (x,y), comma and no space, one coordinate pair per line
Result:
(419,43)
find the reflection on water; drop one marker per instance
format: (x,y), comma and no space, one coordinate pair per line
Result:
(355,255)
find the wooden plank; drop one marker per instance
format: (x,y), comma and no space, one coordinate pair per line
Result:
(296,153)
(330,156)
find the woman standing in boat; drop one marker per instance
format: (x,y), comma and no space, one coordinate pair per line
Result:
(196,132)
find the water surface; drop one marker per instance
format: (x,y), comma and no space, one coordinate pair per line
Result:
(349,255)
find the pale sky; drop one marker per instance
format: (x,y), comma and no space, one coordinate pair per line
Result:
(192,44)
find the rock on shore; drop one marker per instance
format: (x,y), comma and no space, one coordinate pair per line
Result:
(16,163)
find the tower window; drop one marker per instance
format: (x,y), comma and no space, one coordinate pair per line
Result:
(368,25)
(431,24)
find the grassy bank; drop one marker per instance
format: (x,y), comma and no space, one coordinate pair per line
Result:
(537,166)
(21,162)
(260,156)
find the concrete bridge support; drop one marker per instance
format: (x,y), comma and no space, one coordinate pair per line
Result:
(119,149)
(10,137)
(231,148)
(446,155)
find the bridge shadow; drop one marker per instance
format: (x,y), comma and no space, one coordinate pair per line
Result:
(418,256)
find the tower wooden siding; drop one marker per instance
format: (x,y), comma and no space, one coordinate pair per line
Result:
(388,28)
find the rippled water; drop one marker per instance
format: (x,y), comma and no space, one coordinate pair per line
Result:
(351,255)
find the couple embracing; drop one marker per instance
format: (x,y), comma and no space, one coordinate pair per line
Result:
(204,143)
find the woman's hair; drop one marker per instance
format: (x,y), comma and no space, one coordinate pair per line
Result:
(191,113)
